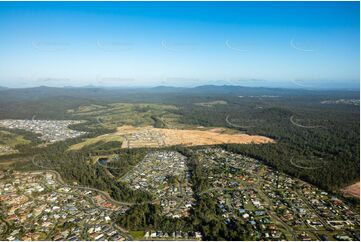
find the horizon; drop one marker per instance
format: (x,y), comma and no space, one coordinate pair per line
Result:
(296,88)
(298,45)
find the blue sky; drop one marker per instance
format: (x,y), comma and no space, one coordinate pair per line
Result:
(293,44)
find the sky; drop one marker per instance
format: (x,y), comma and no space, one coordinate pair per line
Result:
(283,44)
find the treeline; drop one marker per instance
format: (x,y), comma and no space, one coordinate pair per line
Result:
(158,123)
(149,217)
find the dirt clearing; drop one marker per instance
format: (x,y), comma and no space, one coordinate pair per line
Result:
(352,190)
(135,137)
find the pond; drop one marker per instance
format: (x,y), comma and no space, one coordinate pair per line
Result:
(103,161)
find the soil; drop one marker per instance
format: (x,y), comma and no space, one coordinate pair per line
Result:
(156,137)
(352,190)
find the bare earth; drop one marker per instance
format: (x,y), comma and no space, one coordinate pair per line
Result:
(352,190)
(135,137)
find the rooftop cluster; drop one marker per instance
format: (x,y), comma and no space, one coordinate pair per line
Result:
(165,175)
(275,205)
(7,150)
(34,206)
(50,130)
(144,138)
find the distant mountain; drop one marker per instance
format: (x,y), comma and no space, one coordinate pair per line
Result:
(258,91)
(168,89)
(157,93)
(243,91)
(3,88)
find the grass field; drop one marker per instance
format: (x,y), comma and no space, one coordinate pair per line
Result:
(137,234)
(91,141)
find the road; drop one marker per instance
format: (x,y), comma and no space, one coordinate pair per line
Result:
(235,125)
(304,167)
(303,126)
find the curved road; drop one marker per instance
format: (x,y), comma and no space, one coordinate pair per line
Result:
(304,167)
(235,125)
(303,126)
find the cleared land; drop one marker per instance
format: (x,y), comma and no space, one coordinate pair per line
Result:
(352,190)
(148,136)
(135,137)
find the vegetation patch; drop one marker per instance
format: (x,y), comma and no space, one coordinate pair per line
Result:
(9,141)
(137,114)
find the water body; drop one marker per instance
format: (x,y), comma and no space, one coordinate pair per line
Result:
(103,161)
